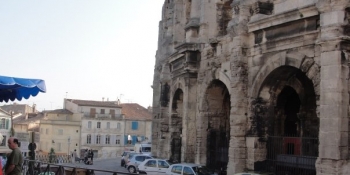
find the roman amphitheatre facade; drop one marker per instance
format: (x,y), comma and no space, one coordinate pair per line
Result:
(259,85)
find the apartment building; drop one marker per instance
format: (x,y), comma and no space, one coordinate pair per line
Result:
(5,130)
(102,126)
(107,125)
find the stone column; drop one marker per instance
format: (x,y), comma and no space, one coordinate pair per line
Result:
(192,27)
(239,99)
(334,91)
(189,121)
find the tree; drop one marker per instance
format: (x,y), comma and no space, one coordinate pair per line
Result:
(52,156)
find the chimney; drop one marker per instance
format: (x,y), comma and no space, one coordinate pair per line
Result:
(103,99)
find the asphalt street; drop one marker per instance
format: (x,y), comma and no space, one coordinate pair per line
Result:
(112,164)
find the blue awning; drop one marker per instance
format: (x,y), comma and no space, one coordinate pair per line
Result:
(12,88)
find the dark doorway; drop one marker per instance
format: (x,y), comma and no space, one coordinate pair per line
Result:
(291,121)
(218,129)
(176,124)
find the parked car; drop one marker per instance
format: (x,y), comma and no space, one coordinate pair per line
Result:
(153,167)
(124,157)
(188,169)
(134,161)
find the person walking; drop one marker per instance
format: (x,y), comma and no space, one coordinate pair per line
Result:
(86,156)
(14,159)
(91,155)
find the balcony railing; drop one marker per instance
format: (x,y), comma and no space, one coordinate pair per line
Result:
(97,115)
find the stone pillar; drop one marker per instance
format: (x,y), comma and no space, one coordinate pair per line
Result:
(334,91)
(189,121)
(239,99)
(192,27)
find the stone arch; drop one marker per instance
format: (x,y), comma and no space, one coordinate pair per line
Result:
(176,120)
(297,60)
(214,124)
(284,115)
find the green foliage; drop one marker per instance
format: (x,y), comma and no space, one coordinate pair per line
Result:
(52,156)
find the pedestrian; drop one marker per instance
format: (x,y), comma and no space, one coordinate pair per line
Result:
(14,159)
(86,156)
(91,155)
(74,156)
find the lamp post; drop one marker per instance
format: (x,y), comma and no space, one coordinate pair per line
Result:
(68,144)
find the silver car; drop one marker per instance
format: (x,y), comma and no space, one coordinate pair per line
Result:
(153,167)
(134,161)
(188,169)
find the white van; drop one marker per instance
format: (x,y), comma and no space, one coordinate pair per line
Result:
(144,148)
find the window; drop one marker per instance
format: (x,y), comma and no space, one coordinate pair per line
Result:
(140,158)
(3,143)
(108,139)
(47,131)
(59,146)
(118,125)
(108,125)
(60,131)
(151,163)
(102,111)
(98,139)
(92,112)
(88,139)
(188,171)
(112,112)
(176,169)
(89,124)
(134,125)
(163,164)
(3,123)
(98,124)
(117,141)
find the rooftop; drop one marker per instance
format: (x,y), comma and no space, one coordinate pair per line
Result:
(111,104)
(135,111)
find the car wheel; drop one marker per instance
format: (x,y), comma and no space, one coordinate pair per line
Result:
(132,169)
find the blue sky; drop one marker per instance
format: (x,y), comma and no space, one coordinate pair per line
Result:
(83,49)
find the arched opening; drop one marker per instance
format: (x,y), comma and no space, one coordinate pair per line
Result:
(288,101)
(217,114)
(176,125)
(288,124)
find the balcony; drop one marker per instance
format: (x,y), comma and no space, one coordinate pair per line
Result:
(103,116)
(185,60)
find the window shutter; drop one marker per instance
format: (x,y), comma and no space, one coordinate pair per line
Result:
(134,125)
(125,139)
(7,124)
(134,139)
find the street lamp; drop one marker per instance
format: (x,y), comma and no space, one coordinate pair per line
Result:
(68,144)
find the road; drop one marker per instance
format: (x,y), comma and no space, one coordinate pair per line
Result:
(112,164)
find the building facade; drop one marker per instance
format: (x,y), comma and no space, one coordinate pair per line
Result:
(59,129)
(138,123)
(5,130)
(254,84)
(106,125)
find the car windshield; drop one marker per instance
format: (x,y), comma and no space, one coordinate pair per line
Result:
(202,170)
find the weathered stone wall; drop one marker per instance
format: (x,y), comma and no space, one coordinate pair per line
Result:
(255,48)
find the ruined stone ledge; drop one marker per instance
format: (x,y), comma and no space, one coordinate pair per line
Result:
(292,42)
(259,21)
